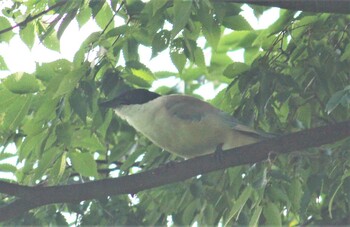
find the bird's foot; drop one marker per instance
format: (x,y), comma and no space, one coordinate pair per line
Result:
(219,153)
(272,156)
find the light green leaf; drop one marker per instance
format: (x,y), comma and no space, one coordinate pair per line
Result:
(4,24)
(58,168)
(3,65)
(83,16)
(46,71)
(21,83)
(199,58)
(104,16)
(83,163)
(51,42)
(16,112)
(237,40)
(182,12)
(27,35)
(237,23)
(5,167)
(69,82)
(45,162)
(7,99)
(85,139)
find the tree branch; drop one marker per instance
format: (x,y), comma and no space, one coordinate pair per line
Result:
(32,197)
(31,18)
(316,6)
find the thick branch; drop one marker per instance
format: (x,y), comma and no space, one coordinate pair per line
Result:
(32,197)
(316,6)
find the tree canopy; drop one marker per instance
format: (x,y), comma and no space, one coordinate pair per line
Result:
(76,163)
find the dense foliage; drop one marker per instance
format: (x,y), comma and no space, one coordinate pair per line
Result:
(295,75)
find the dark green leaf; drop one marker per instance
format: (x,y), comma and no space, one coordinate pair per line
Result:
(160,42)
(177,54)
(235,69)
(272,214)
(182,12)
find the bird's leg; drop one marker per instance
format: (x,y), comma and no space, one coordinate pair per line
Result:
(272,156)
(219,152)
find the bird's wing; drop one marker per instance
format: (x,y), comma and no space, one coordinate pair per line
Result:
(191,109)
(188,108)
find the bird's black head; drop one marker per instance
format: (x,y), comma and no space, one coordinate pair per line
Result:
(134,96)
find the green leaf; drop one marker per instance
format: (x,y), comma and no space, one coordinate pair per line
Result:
(235,69)
(182,12)
(58,168)
(51,42)
(30,146)
(160,42)
(4,24)
(237,23)
(83,16)
(304,115)
(21,83)
(177,54)
(79,104)
(272,214)
(3,65)
(346,54)
(210,26)
(104,16)
(96,6)
(295,193)
(45,162)
(237,40)
(157,5)
(85,139)
(239,204)
(337,98)
(64,133)
(46,71)
(6,155)
(254,220)
(27,34)
(83,163)
(199,58)
(65,22)
(70,81)
(16,112)
(138,74)
(7,99)
(5,167)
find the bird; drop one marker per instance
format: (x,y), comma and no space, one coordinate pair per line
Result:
(181,124)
